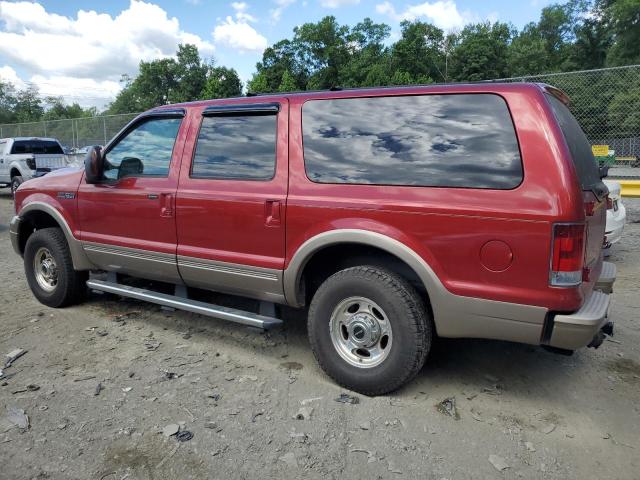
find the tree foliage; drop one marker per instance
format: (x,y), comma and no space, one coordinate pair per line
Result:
(576,35)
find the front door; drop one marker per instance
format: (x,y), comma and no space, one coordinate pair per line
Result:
(231,201)
(127,221)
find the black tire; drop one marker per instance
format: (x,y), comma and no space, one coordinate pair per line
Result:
(71,284)
(15,183)
(411,327)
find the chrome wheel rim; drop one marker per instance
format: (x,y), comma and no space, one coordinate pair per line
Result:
(45,269)
(361,332)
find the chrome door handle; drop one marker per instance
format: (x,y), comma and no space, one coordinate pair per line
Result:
(152,196)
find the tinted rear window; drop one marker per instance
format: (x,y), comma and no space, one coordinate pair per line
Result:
(36,146)
(458,140)
(579,145)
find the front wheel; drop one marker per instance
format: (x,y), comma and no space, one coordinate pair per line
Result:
(369,329)
(49,269)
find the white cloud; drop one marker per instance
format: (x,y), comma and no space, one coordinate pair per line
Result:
(442,13)
(241,12)
(90,49)
(85,91)
(8,74)
(338,3)
(281,6)
(238,34)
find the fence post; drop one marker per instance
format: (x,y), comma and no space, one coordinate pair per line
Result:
(104,129)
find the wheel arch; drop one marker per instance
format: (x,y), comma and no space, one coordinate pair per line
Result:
(345,238)
(15,172)
(37,215)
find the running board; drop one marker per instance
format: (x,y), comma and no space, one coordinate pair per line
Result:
(194,306)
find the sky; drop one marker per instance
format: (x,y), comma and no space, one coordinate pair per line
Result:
(80,49)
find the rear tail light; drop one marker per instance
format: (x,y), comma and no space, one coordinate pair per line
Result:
(31,163)
(567,254)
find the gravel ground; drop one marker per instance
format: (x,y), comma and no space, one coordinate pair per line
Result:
(523,412)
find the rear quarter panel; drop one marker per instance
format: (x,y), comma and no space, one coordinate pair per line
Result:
(448,227)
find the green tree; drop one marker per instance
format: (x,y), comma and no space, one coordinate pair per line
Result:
(259,83)
(287,84)
(28,106)
(368,61)
(7,102)
(481,52)
(527,53)
(420,52)
(190,75)
(323,47)
(277,59)
(56,109)
(163,81)
(623,18)
(222,82)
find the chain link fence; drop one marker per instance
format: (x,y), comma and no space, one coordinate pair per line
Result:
(606,102)
(72,133)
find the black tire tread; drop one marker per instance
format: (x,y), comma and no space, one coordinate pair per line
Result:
(75,285)
(420,323)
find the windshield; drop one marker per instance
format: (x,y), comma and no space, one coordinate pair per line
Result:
(578,144)
(37,146)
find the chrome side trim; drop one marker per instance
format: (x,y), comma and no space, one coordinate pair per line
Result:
(133,261)
(454,315)
(130,252)
(245,280)
(194,306)
(78,255)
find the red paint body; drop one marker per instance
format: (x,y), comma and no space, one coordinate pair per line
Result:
(264,223)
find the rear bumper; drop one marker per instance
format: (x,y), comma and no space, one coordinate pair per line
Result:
(579,329)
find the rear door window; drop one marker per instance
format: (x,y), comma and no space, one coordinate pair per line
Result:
(455,140)
(36,147)
(579,145)
(236,147)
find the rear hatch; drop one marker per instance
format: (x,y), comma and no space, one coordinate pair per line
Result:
(594,191)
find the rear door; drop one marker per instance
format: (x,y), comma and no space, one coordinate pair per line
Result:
(594,190)
(231,199)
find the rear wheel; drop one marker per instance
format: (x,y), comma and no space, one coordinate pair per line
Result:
(369,329)
(49,269)
(15,183)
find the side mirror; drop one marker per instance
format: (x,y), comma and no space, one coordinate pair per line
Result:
(130,167)
(94,165)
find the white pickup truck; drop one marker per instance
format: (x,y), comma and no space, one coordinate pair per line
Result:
(22,158)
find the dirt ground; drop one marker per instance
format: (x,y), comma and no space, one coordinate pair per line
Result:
(238,391)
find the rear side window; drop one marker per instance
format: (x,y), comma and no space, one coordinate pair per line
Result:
(579,145)
(236,147)
(37,147)
(457,140)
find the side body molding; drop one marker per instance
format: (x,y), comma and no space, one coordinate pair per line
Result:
(78,255)
(454,315)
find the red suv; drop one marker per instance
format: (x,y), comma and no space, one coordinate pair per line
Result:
(392,214)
